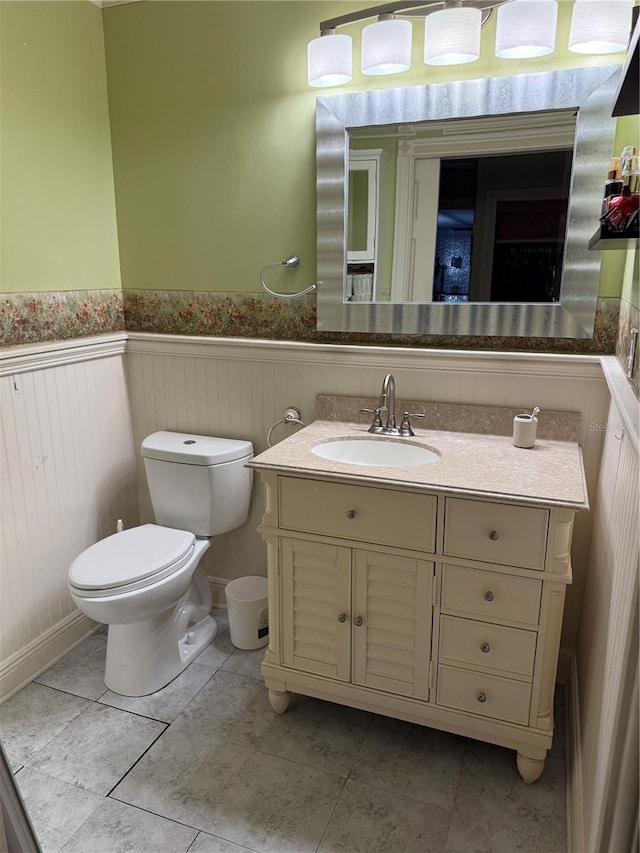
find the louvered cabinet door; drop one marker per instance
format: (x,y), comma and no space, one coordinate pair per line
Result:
(316,596)
(392,601)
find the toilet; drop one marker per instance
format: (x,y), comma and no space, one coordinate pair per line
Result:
(145,583)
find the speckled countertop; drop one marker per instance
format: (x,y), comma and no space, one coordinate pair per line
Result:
(551,473)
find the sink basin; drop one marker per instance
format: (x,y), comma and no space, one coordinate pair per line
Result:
(375,451)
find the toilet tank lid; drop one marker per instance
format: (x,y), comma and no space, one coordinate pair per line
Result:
(194,449)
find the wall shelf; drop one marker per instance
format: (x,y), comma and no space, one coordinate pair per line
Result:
(600,242)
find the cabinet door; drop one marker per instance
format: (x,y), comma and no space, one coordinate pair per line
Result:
(392,605)
(316,596)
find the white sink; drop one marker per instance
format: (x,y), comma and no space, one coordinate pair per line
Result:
(375,451)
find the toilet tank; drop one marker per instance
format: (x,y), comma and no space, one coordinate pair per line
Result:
(198,482)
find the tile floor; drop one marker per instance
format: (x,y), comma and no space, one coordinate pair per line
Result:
(206,766)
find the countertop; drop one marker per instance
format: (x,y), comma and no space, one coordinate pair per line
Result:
(489,466)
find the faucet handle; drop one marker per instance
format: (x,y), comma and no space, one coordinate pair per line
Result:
(376,423)
(405,426)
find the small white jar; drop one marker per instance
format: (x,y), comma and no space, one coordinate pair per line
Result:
(524,430)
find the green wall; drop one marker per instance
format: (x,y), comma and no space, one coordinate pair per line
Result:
(213,135)
(58,219)
(212,127)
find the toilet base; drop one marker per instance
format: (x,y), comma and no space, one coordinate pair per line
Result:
(144,657)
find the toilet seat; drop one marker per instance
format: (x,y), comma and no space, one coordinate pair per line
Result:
(130,560)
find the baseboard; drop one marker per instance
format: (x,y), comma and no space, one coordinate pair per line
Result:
(575,811)
(41,653)
(217,590)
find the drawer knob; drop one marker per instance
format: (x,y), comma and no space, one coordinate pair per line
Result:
(493,535)
(485,647)
(358,621)
(488,596)
(351,513)
(342,617)
(481,697)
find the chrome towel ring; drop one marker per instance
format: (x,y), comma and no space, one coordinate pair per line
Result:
(291,416)
(291,263)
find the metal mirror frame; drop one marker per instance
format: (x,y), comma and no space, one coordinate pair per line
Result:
(589,90)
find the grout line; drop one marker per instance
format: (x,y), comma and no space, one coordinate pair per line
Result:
(333,810)
(136,762)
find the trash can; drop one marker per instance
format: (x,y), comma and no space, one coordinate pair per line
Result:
(248,612)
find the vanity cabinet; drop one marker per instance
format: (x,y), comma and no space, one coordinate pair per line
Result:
(357,616)
(439,609)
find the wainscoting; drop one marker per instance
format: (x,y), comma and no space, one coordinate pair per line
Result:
(68,473)
(240,387)
(74,414)
(604,689)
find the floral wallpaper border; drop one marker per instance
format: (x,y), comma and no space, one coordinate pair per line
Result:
(27,318)
(253,315)
(38,317)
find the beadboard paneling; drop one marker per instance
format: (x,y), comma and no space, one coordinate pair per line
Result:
(72,423)
(68,472)
(607,649)
(238,388)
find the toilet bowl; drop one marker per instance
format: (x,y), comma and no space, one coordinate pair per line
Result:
(145,583)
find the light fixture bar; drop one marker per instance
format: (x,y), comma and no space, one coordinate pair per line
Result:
(407,9)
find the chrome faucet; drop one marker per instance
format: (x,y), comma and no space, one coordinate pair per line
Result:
(387,403)
(388,399)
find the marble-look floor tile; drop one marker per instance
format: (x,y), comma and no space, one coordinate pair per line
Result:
(496,812)
(206,843)
(245,662)
(370,820)
(229,707)
(276,806)
(184,776)
(57,809)
(81,671)
(119,828)
(217,652)
(97,748)
(412,760)
(165,704)
(317,734)
(33,717)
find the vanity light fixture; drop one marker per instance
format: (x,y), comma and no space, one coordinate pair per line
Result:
(329,59)
(386,46)
(452,35)
(525,29)
(600,26)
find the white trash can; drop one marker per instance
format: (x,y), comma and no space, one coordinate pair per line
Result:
(248,612)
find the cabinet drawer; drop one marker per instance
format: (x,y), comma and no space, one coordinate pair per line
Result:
(504,651)
(492,596)
(497,533)
(488,695)
(383,516)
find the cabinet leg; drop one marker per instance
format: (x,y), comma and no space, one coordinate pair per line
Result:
(529,768)
(280,700)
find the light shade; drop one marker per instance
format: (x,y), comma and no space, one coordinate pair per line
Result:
(526,29)
(452,36)
(386,47)
(329,60)
(600,26)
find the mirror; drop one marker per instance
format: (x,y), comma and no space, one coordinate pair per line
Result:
(444,127)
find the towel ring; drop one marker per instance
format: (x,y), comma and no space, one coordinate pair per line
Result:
(291,263)
(291,416)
